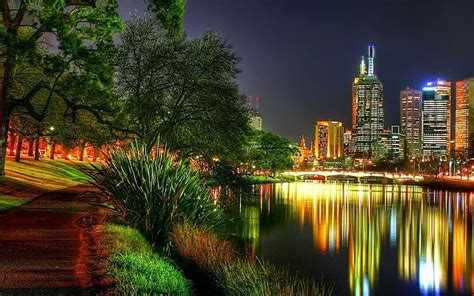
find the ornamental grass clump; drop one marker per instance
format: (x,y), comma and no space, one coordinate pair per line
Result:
(155,191)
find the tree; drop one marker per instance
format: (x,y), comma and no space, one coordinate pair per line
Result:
(170,13)
(269,152)
(181,91)
(44,43)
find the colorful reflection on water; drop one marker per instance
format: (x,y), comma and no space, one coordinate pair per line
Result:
(382,239)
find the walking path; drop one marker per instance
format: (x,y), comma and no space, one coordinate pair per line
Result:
(47,246)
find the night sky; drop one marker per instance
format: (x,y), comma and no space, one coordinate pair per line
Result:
(300,56)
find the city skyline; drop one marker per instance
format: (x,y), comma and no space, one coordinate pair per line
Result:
(304,73)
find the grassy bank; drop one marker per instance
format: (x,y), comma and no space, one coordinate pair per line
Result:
(135,267)
(233,274)
(261,179)
(28,179)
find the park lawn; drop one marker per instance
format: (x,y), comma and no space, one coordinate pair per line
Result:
(28,179)
(135,266)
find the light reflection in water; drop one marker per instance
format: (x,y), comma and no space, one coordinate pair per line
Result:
(430,232)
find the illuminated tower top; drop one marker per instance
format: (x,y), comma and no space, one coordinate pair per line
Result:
(371,58)
(363,68)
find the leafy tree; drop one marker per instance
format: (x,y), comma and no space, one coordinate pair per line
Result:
(170,13)
(181,91)
(269,152)
(46,43)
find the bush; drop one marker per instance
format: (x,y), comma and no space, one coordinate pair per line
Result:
(235,275)
(136,268)
(155,192)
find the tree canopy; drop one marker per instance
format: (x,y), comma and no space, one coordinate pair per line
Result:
(170,13)
(45,47)
(181,90)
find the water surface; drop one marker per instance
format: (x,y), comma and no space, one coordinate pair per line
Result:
(366,239)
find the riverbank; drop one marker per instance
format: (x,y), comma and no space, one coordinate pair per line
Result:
(442,184)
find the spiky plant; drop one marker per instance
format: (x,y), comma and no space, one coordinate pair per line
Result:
(156,191)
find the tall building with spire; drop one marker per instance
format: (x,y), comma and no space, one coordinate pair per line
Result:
(355,88)
(410,120)
(369,107)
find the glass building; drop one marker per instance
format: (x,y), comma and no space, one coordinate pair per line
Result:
(436,110)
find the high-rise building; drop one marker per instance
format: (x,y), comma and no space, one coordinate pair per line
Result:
(349,148)
(355,89)
(464,133)
(328,139)
(256,121)
(370,115)
(436,114)
(395,144)
(410,120)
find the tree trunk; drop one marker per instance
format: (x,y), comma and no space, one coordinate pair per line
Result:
(3,139)
(81,152)
(53,147)
(11,144)
(6,85)
(37,148)
(96,152)
(19,145)
(30,147)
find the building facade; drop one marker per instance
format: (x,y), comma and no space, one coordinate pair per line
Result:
(464,132)
(370,115)
(328,139)
(410,120)
(396,144)
(436,119)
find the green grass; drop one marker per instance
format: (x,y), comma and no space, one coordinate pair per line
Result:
(136,267)
(28,179)
(261,179)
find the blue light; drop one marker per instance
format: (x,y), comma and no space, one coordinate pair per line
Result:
(429,88)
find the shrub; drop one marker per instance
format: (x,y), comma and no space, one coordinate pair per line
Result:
(156,192)
(135,267)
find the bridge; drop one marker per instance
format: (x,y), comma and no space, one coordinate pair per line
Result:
(345,175)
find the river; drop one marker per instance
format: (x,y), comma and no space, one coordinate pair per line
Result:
(364,239)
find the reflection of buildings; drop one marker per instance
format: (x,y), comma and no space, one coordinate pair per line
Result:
(328,139)
(430,233)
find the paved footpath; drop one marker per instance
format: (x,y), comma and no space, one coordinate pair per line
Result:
(47,246)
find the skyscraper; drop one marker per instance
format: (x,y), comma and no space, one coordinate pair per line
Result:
(410,120)
(436,114)
(256,121)
(370,116)
(355,88)
(328,139)
(464,133)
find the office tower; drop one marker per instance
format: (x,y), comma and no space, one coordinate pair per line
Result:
(410,120)
(436,114)
(464,132)
(395,144)
(370,115)
(328,139)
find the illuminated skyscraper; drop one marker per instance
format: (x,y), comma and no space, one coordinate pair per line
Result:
(410,120)
(355,88)
(436,110)
(328,139)
(464,133)
(370,116)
